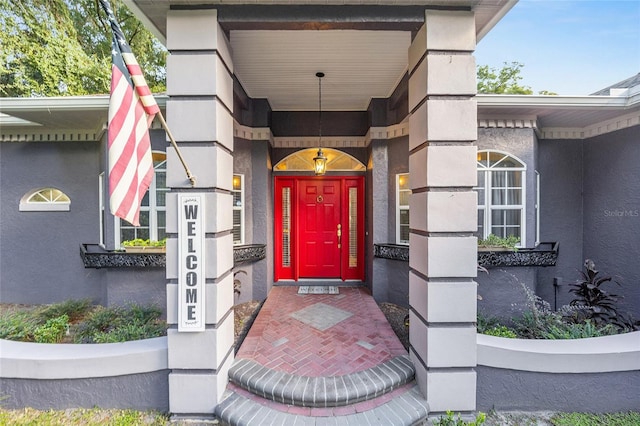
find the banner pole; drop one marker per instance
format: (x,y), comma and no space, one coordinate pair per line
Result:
(191,177)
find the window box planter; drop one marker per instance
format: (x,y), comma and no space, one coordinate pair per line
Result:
(145,249)
(496,248)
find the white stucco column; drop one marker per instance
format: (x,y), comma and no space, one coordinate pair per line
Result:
(199,114)
(443,251)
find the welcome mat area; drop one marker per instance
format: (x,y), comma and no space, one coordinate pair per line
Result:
(318,289)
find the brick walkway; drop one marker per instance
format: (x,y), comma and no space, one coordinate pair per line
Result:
(321,359)
(320,335)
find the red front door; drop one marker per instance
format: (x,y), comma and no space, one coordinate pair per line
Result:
(319,228)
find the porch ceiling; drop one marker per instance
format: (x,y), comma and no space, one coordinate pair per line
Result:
(279,45)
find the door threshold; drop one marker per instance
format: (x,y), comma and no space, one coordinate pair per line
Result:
(320,282)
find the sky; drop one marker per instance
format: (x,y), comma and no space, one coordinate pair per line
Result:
(570,47)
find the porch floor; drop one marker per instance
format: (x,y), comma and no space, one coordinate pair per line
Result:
(320,334)
(319,356)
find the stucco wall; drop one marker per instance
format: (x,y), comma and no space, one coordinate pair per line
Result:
(110,375)
(600,374)
(590,204)
(40,259)
(509,390)
(612,210)
(502,292)
(389,278)
(561,214)
(251,159)
(262,189)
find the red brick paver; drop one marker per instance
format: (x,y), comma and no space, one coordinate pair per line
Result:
(280,342)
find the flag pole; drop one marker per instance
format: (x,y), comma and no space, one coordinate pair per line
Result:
(191,177)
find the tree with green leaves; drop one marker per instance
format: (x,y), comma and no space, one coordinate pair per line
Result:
(63,48)
(505,81)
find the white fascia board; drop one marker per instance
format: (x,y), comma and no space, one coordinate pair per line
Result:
(54,103)
(62,103)
(496,18)
(546,101)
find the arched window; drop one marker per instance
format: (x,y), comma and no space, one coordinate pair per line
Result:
(501,195)
(302,160)
(45,199)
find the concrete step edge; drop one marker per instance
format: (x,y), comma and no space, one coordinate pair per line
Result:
(335,391)
(408,408)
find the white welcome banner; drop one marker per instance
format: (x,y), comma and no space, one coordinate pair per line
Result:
(191,271)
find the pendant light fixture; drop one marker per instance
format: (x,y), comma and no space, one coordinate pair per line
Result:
(320,161)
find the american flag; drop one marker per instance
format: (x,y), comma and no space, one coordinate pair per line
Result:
(130,115)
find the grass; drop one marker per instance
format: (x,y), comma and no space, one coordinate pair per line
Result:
(78,321)
(585,419)
(112,417)
(81,416)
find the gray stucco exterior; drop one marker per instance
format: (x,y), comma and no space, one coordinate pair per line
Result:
(612,211)
(38,249)
(144,391)
(590,204)
(513,390)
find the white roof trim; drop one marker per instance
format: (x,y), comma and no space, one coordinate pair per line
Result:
(546,101)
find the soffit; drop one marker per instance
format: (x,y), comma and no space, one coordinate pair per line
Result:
(361,45)
(90,112)
(573,112)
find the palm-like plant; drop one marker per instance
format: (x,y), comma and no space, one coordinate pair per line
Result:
(598,304)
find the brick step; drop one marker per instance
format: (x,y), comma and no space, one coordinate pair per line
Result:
(335,391)
(402,407)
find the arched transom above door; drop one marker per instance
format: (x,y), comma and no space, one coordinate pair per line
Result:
(302,161)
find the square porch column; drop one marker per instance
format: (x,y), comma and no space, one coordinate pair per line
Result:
(443,205)
(199,114)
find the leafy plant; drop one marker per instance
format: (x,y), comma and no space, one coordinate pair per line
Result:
(492,240)
(579,330)
(74,309)
(52,331)
(501,331)
(121,324)
(599,305)
(485,323)
(18,326)
(456,420)
(139,242)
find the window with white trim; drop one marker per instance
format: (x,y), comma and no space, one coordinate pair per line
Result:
(403,191)
(238,209)
(537,208)
(45,199)
(101,208)
(152,210)
(501,195)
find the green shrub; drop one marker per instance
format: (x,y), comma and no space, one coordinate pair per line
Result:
(485,323)
(74,309)
(579,330)
(492,240)
(501,331)
(52,331)
(139,242)
(19,325)
(121,324)
(456,420)
(128,332)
